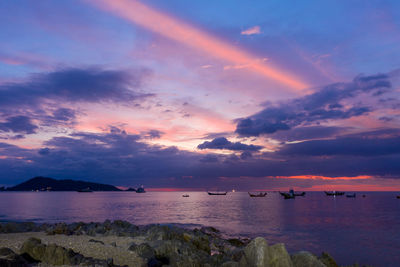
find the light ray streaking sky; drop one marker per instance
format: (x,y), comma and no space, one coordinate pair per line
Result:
(203,94)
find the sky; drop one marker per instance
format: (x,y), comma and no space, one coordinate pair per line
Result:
(198,95)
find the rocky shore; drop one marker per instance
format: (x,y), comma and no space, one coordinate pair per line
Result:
(120,243)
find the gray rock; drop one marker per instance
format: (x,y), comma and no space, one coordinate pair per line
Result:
(56,255)
(236,254)
(279,257)
(18,227)
(328,260)
(179,253)
(211,231)
(201,242)
(96,241)
(154,263)
(306,259)
(256,254)
(34,248)
(143,250)
(230,264)
(236,242)
(8,258)
(164,232)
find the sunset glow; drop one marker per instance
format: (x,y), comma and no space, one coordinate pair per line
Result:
(182,32)
(260,96)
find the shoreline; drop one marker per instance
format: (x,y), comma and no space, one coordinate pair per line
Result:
(120,243)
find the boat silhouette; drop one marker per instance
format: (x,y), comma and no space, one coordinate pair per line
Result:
(217,193)
(292,194)
(261,194)
(334,193)
(85,190)
(140,190)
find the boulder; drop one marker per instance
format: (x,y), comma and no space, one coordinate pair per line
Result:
(96,241)
(57,255)
(278,256)
(154,263)
(256,254)
(306,259)
(179,253)
(328,260)
(18,227)
(164,232)
(59,229)
(34,248)
(236,242)
(201,242)
(8,258)
(143,250)
(211,231)
(230,264)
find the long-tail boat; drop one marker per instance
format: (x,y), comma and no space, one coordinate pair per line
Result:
(217,193)
(261,194)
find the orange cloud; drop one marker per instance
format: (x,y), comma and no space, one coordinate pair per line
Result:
(354,187)
(186,34)
(251,31)
(317,177)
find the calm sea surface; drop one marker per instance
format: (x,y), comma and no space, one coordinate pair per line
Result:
(364,230)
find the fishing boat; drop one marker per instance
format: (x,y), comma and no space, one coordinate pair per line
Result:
(261,194)
(398,196)
(217,193)
(351,195)
(140,190)
(185,195)
(292,194)
(287,195)
(334,193)
(85,190)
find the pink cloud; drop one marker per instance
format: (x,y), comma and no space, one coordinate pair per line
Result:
(251,31)
(181,32)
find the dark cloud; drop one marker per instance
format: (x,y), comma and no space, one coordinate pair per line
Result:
(44,151)
(64,114)
(223,143)
(56,117)
(216,135)
(73,85)
(209,158)
(246,155)
(153,134)
(326,104)
(18,124)
(120,158)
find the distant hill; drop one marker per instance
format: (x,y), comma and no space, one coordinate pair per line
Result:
(131,189)
(44,183)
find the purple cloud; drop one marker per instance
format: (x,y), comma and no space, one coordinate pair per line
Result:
(223,143)
(18,124)
(319,106)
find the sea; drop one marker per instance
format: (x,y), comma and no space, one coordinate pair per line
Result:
(364,230)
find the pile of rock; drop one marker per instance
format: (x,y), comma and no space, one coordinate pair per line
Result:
(160,245)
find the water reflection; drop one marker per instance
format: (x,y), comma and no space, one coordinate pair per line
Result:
(361,229)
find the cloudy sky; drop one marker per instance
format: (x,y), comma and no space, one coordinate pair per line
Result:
(201,94)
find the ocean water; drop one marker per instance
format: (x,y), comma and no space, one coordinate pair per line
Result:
(364,230)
